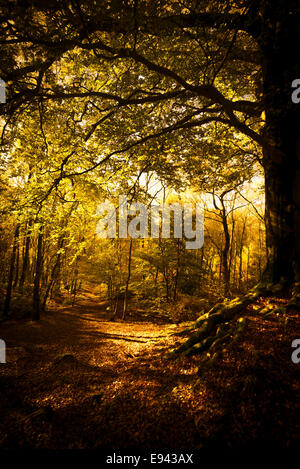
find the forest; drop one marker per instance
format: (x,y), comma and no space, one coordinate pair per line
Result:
(150,224)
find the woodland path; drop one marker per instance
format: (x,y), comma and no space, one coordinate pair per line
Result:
(76,380)
(98,382)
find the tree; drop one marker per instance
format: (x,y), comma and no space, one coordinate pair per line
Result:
(162,77)
(255,37)
(37,276)
(11,273)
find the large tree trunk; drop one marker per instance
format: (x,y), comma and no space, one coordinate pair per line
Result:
(280,36)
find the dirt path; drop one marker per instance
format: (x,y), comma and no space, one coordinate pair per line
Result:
(76,380)
(103,377)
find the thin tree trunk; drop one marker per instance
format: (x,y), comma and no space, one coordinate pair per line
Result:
(225,251)
(177,271)
(11,274)
(127,281)
(155,282)
(16,275)
(74,287)
(235,265)
(37,277)
(231,243)
(165,274)
(248,264)
(26,256)
(241,254)
(53,275)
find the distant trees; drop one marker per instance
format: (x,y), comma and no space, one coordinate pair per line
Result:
(54,249)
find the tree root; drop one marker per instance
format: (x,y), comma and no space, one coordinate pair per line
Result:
(294,302)
(214,327)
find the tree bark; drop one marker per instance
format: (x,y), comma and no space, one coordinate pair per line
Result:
(282,129)
(16,274)
(226,249)
(54,273)
(241,255)
(37,278)
(127,281)
(25,257)
(11,274)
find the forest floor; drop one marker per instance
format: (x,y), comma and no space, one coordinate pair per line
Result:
(77,380)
